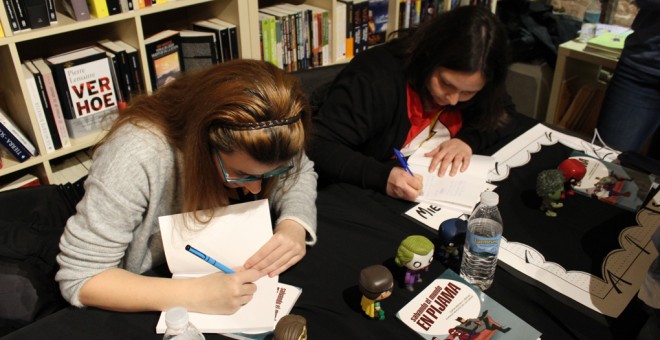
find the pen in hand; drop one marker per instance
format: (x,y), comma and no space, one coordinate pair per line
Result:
(402,160)
(209,259)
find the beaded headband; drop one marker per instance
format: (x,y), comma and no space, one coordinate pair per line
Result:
(260,125)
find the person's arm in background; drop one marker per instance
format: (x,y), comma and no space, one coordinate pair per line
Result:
(354,111)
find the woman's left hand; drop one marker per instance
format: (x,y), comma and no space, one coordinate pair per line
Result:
(454,152)
(283,250)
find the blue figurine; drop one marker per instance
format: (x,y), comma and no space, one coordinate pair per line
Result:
(452,236)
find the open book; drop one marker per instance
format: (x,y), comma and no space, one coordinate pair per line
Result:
(234,234)
(460,192)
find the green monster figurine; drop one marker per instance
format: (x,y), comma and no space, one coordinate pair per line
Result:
(550,187)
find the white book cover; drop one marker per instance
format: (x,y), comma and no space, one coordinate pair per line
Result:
(234,233)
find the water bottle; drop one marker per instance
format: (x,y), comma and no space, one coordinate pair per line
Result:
(482,242)
(179,327)
(592,13)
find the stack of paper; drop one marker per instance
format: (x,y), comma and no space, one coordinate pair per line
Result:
(609,44)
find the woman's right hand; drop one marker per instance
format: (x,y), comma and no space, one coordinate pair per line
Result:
(221,293)
(400,184)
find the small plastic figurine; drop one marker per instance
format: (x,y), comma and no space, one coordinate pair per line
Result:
(415,253)
(550,187)
(291,327)
(452,238)
(376,284)
(573,171)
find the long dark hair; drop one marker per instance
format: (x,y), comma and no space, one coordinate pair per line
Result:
(467,39)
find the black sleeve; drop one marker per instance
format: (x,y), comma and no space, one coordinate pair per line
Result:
(356,110)
(480,138)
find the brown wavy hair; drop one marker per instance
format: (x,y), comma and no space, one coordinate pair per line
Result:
(200,112)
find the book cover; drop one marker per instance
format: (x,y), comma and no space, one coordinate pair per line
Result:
(53,99)
(164,56)
(84,82)
(77,9)
(14,139)
(35,99)
(98,8)
(451,308)
(287,295)
(11,15)
(233,234)
(137,79)
(199,49)
(607,182)
(221,36)
(377,21)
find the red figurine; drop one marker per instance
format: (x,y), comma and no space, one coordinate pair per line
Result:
(573,171)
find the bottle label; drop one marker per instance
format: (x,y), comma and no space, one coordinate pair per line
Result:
(483,245)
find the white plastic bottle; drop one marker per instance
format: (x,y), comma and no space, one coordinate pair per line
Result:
(179,326)
(592,13)
(482,242)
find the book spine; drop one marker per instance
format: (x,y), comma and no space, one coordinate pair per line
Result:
(48,112)
(56,107)
(33,92)
(136,73)
(17,133)
(114,6)
(13,145)
(21,14)
(77,9)
(98,8)
(233,42)
(52,13)
(130,5)
(11,15)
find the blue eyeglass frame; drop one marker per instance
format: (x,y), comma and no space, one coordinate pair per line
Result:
(276,172)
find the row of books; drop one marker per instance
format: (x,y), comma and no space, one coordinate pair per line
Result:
(295,37)
(414,12)
(171,52)
(25,15)
(73,93)
(27,180)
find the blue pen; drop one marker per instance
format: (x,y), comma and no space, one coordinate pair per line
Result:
(402,160)
(209,259)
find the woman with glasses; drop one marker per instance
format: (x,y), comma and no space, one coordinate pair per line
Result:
(440,87)
(232,133)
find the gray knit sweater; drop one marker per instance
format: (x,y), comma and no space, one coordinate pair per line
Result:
(134,179)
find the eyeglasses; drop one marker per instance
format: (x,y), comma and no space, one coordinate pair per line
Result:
(276,172)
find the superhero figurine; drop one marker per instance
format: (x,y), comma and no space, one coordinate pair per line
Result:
(375,283)
(415,253)
(452,238)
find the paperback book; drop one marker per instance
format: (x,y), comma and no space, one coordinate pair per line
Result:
(164,57)
(607,182)
(451,308)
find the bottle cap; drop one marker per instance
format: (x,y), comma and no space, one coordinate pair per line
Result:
(490,198)
(176,318)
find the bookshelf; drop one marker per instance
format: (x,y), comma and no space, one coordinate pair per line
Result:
(577,71)
(66,35)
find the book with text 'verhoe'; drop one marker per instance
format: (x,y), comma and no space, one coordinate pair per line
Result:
(84,82)
(451,308)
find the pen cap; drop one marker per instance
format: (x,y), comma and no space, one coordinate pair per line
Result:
(176,318)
